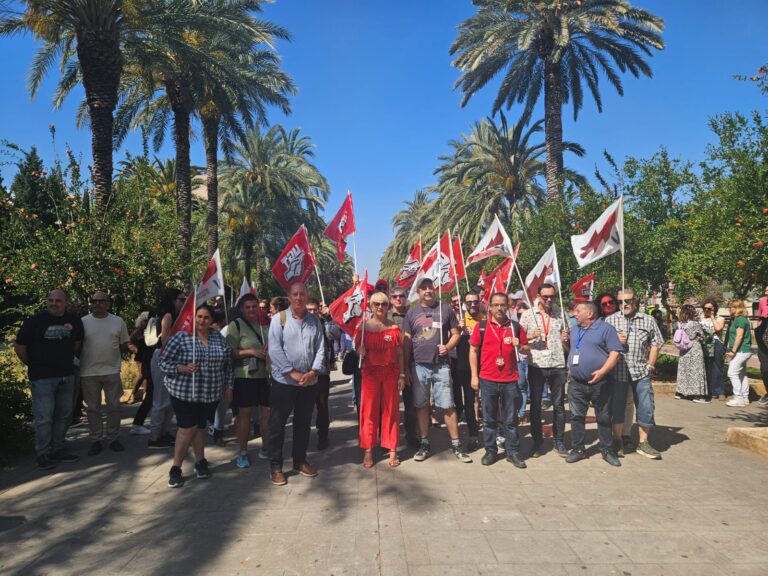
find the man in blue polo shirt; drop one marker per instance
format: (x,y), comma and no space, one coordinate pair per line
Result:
(594,351)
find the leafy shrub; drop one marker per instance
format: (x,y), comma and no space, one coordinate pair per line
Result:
(15,408)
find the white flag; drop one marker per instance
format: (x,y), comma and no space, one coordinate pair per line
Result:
(604,237)
(212,284)
(494,242)
(546,270)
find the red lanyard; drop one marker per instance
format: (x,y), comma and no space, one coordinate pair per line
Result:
(545,325)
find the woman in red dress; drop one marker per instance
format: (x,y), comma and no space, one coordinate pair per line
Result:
(383,377)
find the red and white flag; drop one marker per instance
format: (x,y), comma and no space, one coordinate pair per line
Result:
(212,284)
(185,321)
(458,258)
(584,287)
(408,272)
(603,238)
(546,270)
(245,288)
(348,310)
(296,262)
(438,267)
(494,242)
(498,280)
(481,279)
(341,226)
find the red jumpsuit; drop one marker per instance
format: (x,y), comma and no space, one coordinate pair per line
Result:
(379,396)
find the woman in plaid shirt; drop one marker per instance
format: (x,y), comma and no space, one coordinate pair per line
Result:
(195,387)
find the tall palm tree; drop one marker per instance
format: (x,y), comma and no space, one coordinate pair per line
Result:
(494,170)
(558,44)
(417,220)
(87,37)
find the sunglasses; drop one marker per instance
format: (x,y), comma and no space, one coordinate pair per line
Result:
(472,302)
(379,304)
(627,300)
(709,308)
(547,296)
(608,303)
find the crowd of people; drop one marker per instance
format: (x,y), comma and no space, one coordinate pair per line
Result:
(494,364)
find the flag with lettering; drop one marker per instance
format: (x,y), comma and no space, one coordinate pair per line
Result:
(296,262)
(212,284)
(584,287)
(348,310)
(495,242)
(408,272)
(481,279)
(603,238)
(438,267)
(341,226)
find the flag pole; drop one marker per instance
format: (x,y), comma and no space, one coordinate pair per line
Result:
(463,263)
(621,215)
(525,293)
(363,320)
(194,334)
(354,243)
(560,289)
(450,247)
(319,285)
(439,290)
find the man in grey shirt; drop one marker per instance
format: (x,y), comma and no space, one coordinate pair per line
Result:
(297,354)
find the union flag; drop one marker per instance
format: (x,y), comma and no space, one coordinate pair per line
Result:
(296,262)
(603,238)
(348,310)
(341,226)
(408,272)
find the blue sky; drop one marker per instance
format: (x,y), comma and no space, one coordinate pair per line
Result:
(376,96)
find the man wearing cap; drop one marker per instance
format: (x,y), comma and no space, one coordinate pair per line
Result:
(513,299)
(430,332)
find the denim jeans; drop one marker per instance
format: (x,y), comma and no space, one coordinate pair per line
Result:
(162,412)
(579,396)
(508,395)
(554,378)
(52,412)
(522,385)
(715,365)
(642,392)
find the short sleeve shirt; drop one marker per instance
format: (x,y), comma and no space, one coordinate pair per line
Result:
(424,325)
(50,342)
(243,335)
(101,345)
(746,342)
(642,333)
(592,346)
(547,349)
(498,360)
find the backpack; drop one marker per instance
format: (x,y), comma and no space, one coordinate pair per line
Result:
(152,332)
(681,340)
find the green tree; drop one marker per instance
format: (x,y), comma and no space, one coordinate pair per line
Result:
(33,189)
(415,222)
(559,45)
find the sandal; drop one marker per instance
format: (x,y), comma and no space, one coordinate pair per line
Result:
(368,459)
(394,461)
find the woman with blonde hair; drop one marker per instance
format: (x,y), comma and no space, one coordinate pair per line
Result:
(739,350)
(380,345)
(691,374)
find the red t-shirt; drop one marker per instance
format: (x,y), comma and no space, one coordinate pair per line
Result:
(497,343)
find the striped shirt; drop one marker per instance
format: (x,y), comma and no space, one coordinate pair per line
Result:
(214,367)
(642,333)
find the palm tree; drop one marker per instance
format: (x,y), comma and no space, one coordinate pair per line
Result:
(560,44)
(87,36)
(494,170)
(417,220)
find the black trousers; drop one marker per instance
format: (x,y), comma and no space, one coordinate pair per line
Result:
(323,419)
(579,396)
(283,400)
(146,404)
(409,413)
(463,381)
(555,379)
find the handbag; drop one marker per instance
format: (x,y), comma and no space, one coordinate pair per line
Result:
(350,364)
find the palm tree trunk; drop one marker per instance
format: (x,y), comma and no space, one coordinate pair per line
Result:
(101,64)
(247,261)
(211,138)
(183,184)
(553,129)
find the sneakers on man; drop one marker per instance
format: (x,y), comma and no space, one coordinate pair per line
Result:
(611,458)
(473,444)
(201,469)
(648,451)
(500,441)
(64,455)
(159,444)
(263,454)
(278,477)
(423,452)
(763,400)
(95,449)
(218,437)
(488,458)
(243,461)
(575,455)
(306,469)
(515,460)
(561,450)
(737,402)
(536,451)
(461,456)
(627,444)
(116,446)
(175,479)
(44,462)
(170,438)
(139,430)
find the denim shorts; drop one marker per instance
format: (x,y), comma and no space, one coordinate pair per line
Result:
(436,377)
(642,390)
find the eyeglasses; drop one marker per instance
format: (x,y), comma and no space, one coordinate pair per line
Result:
(708,308)
(608,303)
(472,302)
(379,304)
(627,300)
(454,302)
(547,296)
(397,296)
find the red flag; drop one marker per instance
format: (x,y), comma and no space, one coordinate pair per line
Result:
(584,287)
(296,262)
(407,273)
(481,280)
(498,280)
(185,321)
(212,284)
(494,242)
(342,225)
(546,270)
(437,266)
(458,257)
(604,237)
(348,310)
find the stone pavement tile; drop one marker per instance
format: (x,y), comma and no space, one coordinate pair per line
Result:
(260,522)
(675,570)
(493,517)
(521,570)
(594,570)
(491,494)
(540,547)
(745,517)
(664,547)
(416,494)
(444,570)
(610,517)
(612,491)
(543,493)
(593,547)
(550,516)
(739,546)
(454,547)
(757,569)
(679,516)
(438,517)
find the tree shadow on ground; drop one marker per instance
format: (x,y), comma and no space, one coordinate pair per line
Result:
(751,417)
(114,513)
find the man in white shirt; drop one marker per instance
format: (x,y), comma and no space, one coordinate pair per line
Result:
(106,336)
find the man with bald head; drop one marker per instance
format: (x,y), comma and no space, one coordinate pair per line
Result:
(106,336)
(47,344)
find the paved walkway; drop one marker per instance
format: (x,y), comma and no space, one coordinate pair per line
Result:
(700,511)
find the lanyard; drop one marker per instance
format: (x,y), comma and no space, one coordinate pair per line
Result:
(499,338)
(545,326)
(582,332)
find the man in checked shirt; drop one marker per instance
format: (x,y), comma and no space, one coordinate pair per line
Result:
(642,340)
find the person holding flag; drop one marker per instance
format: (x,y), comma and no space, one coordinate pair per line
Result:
(198,368)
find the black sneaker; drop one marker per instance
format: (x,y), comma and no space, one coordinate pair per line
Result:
(627,444)
(95,449)
(546,405)
(423,452)
(44,462)
(575,455)
(561,449)
(116,446)
(64,455)
(611,458)
(201,469)
(536,451)
(514,459)
(488,458)
(175,479)
(322,442)
(170,438)
(159,444)
(473,444)
(461,456)
(218,437)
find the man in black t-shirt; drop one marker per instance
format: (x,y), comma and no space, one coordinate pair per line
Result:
(47,344)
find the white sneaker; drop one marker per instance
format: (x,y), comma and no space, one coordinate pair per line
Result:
(763,400)
(139,430)
(737,403)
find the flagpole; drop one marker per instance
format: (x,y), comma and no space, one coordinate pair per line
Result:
(560,289)
(439,290)
(319,285)
(194,335)
(525,293)
(455,274)
(621,215)
(363,320)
